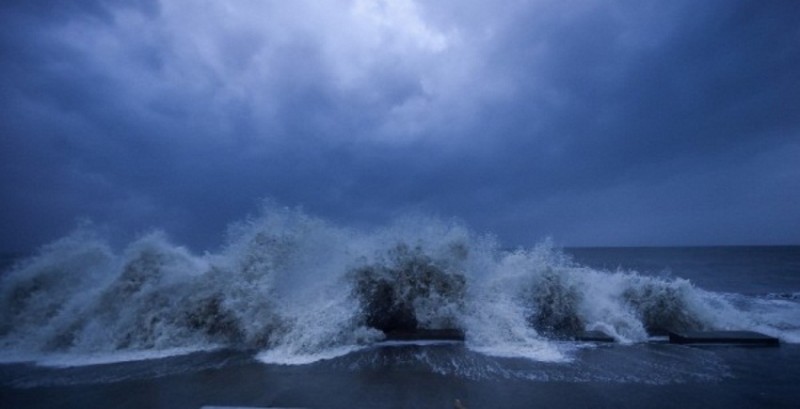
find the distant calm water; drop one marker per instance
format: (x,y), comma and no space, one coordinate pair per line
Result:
(288,315)
(738,269)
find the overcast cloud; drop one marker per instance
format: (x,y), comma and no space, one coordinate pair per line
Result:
(594,122)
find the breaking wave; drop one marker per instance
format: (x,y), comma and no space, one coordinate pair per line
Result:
(297,289)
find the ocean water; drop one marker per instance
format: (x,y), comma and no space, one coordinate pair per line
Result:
(292,310)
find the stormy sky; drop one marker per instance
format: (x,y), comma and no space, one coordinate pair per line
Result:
(641,122)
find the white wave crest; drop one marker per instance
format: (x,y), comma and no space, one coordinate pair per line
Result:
(300,289)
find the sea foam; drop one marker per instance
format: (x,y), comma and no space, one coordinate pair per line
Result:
(298,289)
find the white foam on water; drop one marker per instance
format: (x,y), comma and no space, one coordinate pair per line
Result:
(68,359)
(300,289)
(288,356)
(71,360)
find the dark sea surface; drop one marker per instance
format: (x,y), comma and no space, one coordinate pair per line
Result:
(752,270)
(759,285)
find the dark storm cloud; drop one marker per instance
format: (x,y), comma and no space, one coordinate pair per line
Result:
(595,122)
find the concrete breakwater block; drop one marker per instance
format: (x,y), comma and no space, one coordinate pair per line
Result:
(594,336)
(722,337)
(425,335)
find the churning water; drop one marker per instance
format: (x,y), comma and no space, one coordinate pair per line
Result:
(295,289)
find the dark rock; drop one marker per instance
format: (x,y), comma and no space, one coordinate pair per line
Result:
(594,336)
(722,337)
(426,335)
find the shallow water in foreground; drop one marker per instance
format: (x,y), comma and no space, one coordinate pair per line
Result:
(651,375)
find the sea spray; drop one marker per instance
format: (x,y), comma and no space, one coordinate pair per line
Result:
(45,290)
(297,288)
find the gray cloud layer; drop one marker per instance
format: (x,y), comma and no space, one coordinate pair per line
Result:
(599,123)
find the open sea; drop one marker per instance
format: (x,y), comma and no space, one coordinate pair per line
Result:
(292,311)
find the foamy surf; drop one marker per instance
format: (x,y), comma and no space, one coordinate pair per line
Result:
(300,289)
(69,360)
(286,356)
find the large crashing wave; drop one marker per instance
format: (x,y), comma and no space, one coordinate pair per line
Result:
(298,289)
